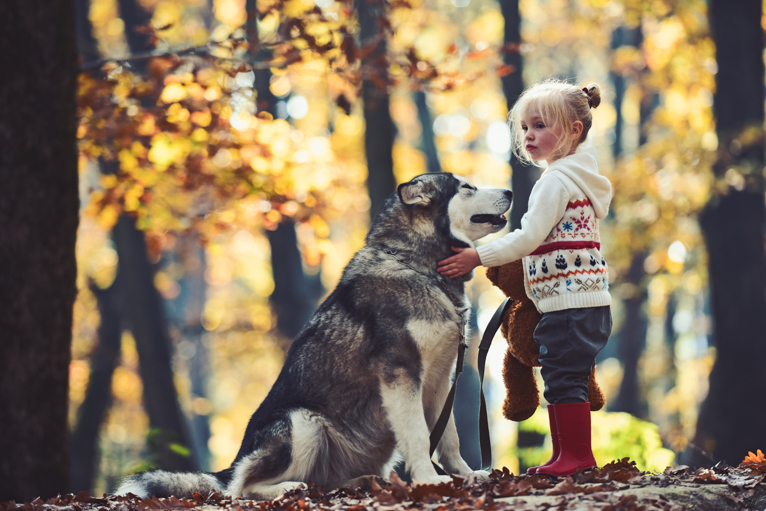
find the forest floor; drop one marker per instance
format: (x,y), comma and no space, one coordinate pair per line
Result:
(616,486)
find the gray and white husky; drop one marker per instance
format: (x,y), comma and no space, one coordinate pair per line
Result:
(366,379)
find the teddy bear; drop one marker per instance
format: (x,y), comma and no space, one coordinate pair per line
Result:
(518,327)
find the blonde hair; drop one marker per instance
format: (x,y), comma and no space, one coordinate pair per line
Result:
(560,104)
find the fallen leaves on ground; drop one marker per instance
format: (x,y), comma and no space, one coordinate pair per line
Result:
(598,489)
(755,463)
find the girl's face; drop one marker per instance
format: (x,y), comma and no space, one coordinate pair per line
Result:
(541,140)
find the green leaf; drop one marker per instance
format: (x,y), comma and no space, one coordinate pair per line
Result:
(180,449)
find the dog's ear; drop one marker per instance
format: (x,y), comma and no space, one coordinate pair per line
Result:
(413,194)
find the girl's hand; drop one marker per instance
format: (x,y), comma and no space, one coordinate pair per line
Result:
(459,264)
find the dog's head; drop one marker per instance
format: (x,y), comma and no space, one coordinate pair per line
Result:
(464,212)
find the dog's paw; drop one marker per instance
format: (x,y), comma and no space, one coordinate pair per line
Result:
(477,475)
(435,479)
(278,491)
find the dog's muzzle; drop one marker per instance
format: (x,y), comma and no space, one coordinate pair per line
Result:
(498,220)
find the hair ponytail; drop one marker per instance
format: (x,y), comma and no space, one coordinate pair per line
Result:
(593,91)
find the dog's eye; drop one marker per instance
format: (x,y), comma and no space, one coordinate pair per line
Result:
(468,187)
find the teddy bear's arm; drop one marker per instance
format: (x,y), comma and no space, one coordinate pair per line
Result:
(492,274)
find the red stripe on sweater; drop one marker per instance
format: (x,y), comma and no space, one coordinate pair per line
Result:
(566,245)
(579,204)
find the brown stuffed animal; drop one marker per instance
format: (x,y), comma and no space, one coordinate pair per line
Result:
(518,327)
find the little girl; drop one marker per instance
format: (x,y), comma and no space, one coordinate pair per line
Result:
(565,274)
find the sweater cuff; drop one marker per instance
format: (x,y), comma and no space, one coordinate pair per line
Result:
(488,256)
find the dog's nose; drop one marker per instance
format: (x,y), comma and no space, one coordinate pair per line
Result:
(508,194)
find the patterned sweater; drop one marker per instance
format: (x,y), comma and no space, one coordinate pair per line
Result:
(559,237)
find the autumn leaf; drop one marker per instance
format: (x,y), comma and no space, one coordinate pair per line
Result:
(510,48)
(754,458)
(705,476)
(398,487)
(144,29)
(478,54)
(755,463)
(505,70)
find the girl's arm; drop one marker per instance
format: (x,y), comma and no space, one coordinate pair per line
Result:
(547,205)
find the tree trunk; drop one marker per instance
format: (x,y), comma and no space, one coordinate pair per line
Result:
(98,395)
(39,216)
(145,311)
(379,127)
(523,177)
(185,312)
(87,46)
(730,421)
(670,339)
(135,16)
(427,143)
(618,39)
(293,299)
(632,340)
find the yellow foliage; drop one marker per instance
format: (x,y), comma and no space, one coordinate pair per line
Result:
(173,93)
(107,216)
(166,150)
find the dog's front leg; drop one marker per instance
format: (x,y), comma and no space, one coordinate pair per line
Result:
(449,453)
(403,403)
(449,450)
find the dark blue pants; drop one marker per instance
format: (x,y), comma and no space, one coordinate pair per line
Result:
(569,341)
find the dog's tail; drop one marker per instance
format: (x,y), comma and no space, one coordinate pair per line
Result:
(160,483)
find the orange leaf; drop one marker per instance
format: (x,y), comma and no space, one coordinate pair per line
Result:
(505,70)
(479,54)
(510,48)
(753,458)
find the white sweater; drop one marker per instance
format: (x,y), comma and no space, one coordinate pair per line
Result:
(559,237)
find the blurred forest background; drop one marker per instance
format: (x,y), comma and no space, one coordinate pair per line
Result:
(232,152)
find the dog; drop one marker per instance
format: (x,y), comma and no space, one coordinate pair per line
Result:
(365,380)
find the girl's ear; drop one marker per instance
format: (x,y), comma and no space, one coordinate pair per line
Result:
(577,128)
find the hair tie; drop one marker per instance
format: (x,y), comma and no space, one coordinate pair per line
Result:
(585,90)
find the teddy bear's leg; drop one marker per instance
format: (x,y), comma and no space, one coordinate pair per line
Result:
(522,397)
(595,394)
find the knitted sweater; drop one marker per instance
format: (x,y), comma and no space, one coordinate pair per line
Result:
(559,238)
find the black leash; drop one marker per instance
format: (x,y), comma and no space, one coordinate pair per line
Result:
(486,342)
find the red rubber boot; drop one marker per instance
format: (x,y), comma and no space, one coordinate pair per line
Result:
(554,439)
(573,426)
